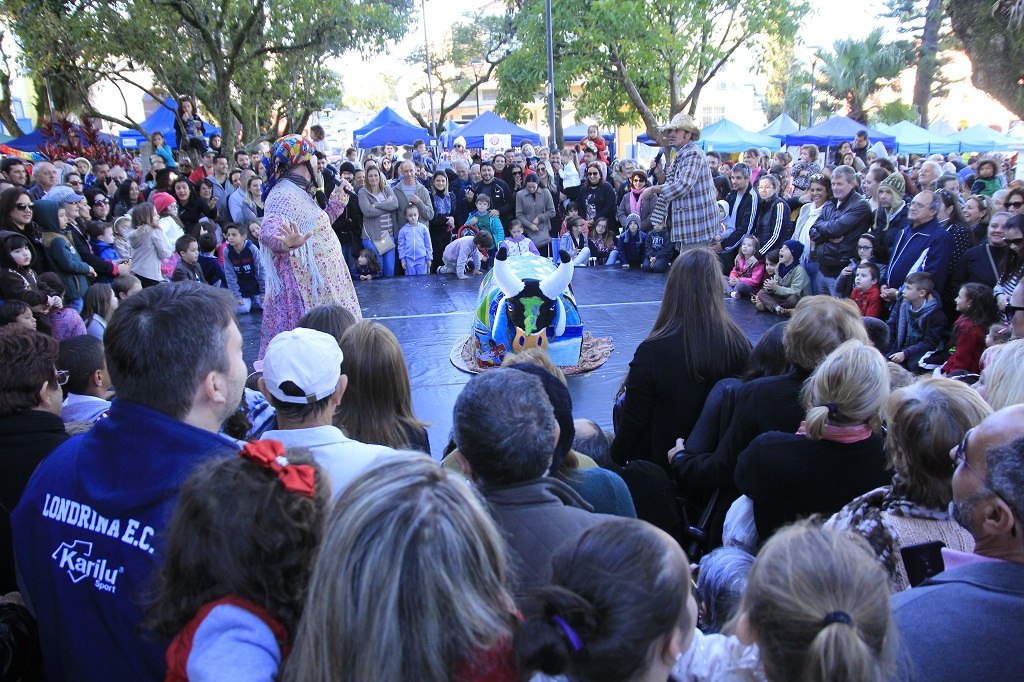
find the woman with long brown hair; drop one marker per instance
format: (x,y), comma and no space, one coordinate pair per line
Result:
(377,407)
(693,344)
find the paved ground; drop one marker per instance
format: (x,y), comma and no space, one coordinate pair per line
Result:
(429,314)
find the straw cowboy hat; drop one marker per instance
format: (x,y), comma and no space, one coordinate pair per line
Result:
(684,122)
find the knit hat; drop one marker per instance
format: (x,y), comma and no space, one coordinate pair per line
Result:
(634,218)
(161,200)
(459,141)
(62,194)
(896,183)
(308,360)
(347,167)
(795,247)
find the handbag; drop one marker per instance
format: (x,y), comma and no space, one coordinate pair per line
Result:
(384,243)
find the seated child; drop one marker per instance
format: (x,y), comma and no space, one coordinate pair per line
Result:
(783,291)
(242,270)
(101,241)
(187,269)
(748,272)
(917,323)
(483,221)
(573,211)
(517,243)
(98,307)
(125,285)
(88,392)
(574,243)
(16,313)
(602,243)
(657,250)
(977,307)
(368,265)
(122,244)
(209,264)
(866,251)
(866,292)
(464,250)
(630,246)
(230,609)
(64,319)
(17,278)
(414,249)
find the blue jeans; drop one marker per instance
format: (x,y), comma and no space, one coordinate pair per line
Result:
(824,285)
(387,261)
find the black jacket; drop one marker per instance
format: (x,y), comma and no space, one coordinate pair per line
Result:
(976,265)
(601,199)
(845,221)
(773,224)
(742,215)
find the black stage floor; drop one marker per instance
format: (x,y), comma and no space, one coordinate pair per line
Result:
(429,314)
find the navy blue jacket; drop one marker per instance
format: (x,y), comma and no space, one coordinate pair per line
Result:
(88,537)
(928,248)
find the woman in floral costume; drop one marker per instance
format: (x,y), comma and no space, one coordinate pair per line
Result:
(302,257)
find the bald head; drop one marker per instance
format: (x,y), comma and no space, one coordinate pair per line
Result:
(1000,428)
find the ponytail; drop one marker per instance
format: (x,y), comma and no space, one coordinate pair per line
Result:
(839,654)
(549,641)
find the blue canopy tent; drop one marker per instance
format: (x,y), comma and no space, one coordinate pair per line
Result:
(912,139)
(782,125)
(725,137)
(489,123)
(574,134)
(34,140)
(386,116)
(394,133)
(979,138)
(835,131)
(941,127)
(161,121)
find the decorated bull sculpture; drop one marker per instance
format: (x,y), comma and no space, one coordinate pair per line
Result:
(525,302)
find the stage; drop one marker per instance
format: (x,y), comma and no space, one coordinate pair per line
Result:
(429,314)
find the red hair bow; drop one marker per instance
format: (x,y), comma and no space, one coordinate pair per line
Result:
(296,478)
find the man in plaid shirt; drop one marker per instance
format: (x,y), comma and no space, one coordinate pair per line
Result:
(686,200)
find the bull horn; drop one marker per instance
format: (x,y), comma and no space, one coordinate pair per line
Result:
(508,282)
(555,283)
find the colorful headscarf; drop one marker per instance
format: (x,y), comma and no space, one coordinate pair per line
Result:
(288,152)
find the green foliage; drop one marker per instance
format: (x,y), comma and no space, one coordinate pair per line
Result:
(993,36)
(789,80)
(636,62)
(856,69)
(894,112)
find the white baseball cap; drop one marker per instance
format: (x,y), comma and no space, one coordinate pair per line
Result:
(309,359)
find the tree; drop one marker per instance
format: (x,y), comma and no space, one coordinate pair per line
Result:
(925,21)
(894,112)
(992,35)
(7,73)
(788,89)
(632,63)
(483,37)
(856,69)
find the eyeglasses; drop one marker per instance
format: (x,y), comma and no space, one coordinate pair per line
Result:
(864,247)
(99,202)
(638,180)
(1014,204)
(22,206)
(1012,310)
(62,376)
(1015,242)
(74,183)
(593,174)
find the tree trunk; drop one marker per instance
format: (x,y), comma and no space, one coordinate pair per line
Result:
(927,60)
(7,108)
(994,46)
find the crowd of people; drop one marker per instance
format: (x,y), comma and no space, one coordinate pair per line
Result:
(807,508)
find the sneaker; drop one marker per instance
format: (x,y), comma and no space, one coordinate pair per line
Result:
(445,270)
(784,312)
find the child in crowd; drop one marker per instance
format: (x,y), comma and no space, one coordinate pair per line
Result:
(232,607)
(602,243)
(150,247)
(414,249)
(64,319)
(187,269)
(101,241)
(790,283)
(916,323)
(125,285)
(657,250)
(518,243)
(242,270)
(999,333)
(17,278)
(867,250)
(570,174)
(368,265)
(167,210)
(98,306)
(748,272)
(254,227)
(575,243)
(122,234)
(630,245)
(866,292)
(16,313)
(483,221)
(462,251)
(978,312)
(209,264)
(87,393)
(805,167)
(572,211)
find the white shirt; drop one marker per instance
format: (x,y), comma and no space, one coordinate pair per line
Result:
(341,457)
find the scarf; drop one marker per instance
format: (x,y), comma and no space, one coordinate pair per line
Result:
(840,434)
(786,269)
(634,201)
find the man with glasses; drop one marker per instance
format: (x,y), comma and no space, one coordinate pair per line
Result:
(689,192)
(922,245)
(968,620)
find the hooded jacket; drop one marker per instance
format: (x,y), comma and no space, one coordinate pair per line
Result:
(60,250)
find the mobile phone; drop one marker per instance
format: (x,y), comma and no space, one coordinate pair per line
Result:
(922,561)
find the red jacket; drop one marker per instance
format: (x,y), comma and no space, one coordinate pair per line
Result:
(970,344)
(869,302)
